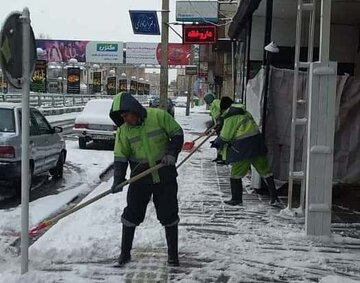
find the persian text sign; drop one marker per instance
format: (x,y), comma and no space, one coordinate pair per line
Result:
(104,52)
(195,34)
(145,22)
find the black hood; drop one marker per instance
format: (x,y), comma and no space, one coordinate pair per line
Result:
(128,104)
(234,110)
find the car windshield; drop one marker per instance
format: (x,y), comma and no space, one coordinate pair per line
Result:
(7,122)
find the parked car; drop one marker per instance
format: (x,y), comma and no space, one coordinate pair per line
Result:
(181,101)
(155,103)
(47,146)
(94,123)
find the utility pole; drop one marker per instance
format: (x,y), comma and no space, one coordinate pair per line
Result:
(164,71)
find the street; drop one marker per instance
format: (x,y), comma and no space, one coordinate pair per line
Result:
(218,243)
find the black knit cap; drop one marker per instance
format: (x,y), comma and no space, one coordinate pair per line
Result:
(225,102)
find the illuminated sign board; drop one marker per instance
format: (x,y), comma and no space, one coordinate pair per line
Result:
(199,34)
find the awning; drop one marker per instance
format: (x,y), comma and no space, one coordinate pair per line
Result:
(243,14)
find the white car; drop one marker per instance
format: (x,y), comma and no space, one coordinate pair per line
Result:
(94,123)
(47,146)
(180,101)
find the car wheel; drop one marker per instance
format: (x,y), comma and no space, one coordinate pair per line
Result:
(82,143)
(17,183)
(58,171)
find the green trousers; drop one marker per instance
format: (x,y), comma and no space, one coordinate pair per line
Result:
(240,169)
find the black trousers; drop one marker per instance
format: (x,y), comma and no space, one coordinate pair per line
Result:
(165,200)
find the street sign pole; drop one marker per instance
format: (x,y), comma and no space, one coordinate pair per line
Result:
(25,165)
(164,71)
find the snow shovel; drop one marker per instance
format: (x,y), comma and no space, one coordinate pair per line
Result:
(187,146)
(49,222)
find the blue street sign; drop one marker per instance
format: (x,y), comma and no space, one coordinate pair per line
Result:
(145,22)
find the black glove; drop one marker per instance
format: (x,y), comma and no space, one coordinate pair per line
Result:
(119,176)
(219,125)
(217,143)
(168,160)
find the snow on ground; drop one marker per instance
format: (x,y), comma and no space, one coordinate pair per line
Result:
(217,243)
(82,171)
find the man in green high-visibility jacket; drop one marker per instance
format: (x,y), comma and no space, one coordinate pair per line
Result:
(214,107)
(241,145)
(145,138)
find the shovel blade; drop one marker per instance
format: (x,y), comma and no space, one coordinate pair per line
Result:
(188,145)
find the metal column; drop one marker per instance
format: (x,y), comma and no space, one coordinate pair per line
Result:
(25,141)
(164,71)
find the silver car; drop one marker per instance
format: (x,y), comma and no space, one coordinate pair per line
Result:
(94,123)
(47,146)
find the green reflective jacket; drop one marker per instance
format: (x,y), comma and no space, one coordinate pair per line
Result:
(215,109)
(238,125)
(144,145)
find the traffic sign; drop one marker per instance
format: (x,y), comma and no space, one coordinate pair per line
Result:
(199,34)
(11,49)
(145,22)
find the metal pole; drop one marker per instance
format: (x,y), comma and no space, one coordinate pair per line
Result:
(164,72)
(233,67)
(188,100)
(266,91)
(268,26)
(325,19)
(88,78)
(25,132)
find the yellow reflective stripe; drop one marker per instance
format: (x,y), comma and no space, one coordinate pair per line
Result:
(155,133)
(247,135)
(120,159)
(134,139)
(116,102)
(178,132)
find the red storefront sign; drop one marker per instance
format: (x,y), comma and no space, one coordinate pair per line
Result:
(196,34)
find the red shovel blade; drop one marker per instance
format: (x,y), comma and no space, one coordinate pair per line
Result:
(188,145)
(36,229)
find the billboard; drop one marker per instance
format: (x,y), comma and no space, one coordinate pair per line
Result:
(140,88)
(96,82)
(38,81)
(197,11)
(133,87)
(73,80)
(104,52)
(199,34)
(111,86)
(145,22)
(122,85)
(62,50)
(83,51)
(138,53)
(147,89)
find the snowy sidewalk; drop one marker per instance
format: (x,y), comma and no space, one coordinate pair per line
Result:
(218,243)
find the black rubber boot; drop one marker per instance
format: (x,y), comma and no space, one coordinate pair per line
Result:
(270,183)
(172,243)
(126,245)
(236,192)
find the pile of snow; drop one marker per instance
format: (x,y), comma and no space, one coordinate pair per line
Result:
(94,232)
(40,209)
(336,279)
